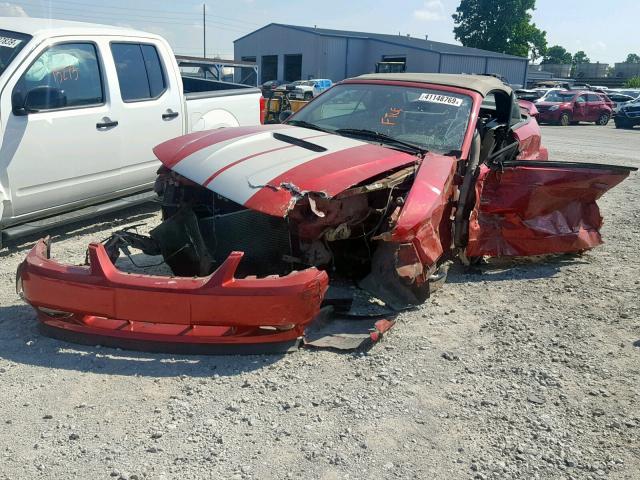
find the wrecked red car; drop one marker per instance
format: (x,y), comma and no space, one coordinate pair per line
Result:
(377,183)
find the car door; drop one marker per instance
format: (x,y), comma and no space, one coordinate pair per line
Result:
(148,104)
(528,207)
(59,150)
(595,106)
(580,109)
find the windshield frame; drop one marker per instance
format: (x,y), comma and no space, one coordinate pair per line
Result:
(476,99)
(25,38)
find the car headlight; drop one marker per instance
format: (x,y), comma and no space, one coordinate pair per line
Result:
(554,108)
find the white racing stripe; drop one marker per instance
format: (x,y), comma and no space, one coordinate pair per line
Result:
(200,165)
(241,182)
(243,165)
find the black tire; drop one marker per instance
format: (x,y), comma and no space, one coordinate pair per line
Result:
(308,96)
(620,123)
(564,119)
(603,119)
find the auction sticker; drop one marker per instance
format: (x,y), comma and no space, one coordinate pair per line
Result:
(9,42)
(443,99)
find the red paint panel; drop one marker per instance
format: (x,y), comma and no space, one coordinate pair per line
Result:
(100,290)
(424,220)
(529,137)
(330,174)
(171,152)
(524,211)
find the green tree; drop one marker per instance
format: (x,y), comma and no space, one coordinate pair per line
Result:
(500,26)
(633,82)
(632,58)
(580,57)
(557,54)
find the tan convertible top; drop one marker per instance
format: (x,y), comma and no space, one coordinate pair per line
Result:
(482,84)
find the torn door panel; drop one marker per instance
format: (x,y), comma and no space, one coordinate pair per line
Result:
(534,208)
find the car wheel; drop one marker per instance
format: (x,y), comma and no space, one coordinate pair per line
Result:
(564,120)
(308,96)
(603,119)
(622,123)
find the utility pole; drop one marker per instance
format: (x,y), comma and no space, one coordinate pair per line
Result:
(204,30)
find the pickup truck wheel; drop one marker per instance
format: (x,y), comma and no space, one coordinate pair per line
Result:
(308,96)
(564,120)
(622,123)
(603,119)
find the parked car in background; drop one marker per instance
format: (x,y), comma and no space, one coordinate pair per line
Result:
(81,108)
(309,89)
(268,87)
(619,99)
(566,107)
(543,92)
(528,95)
(628,115)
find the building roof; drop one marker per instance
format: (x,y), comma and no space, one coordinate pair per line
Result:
(483,84)
(412,42)
(50,27)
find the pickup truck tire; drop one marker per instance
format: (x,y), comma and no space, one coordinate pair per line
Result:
(308,96)
(603,119)
(564,120)
(620,123)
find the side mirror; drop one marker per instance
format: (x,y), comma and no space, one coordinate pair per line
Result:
(39,98)
(284,115)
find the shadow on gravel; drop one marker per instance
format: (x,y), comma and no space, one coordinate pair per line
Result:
(22,343)
(138,214)
(500,270)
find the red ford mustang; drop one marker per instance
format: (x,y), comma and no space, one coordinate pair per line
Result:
(378,182)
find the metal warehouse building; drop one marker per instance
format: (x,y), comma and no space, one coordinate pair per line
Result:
(288,53)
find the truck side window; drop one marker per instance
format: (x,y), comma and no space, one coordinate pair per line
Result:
(72,69)
(140,73)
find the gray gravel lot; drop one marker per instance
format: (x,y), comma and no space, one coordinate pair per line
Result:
(524,370)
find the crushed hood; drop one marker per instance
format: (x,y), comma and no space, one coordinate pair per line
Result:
(266,168)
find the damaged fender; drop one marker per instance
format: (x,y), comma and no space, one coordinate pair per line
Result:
(402,266)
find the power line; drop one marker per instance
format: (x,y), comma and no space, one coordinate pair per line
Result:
(149,19)
(106,20)
(194,15)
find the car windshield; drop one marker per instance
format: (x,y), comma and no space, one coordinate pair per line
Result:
(10,45)
(559,97)
(431,119)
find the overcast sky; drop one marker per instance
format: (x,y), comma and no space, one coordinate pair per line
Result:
(606,31)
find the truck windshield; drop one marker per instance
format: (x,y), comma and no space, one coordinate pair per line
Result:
(428,118)
(10,45)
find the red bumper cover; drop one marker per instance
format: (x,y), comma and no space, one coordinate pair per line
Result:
(98,304)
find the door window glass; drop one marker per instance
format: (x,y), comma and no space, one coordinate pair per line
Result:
(140,72)
(594,98)
(582,99)
(69,71)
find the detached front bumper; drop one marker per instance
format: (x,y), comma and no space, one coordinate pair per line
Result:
(98,304)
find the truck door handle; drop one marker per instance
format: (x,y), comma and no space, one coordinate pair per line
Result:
(106,124)
(170,115)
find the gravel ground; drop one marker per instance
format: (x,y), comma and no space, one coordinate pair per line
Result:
(522,370)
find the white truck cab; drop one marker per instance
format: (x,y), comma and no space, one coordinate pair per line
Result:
(81,108)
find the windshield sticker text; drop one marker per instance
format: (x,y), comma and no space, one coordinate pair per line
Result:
(9,42)
(443,99)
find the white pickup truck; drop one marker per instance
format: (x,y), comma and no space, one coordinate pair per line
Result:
(82,106)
